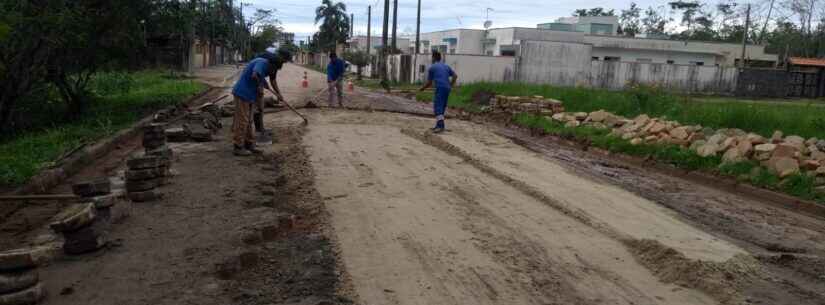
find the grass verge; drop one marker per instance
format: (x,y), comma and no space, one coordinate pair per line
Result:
(799,185)
(807,120)
(24,154)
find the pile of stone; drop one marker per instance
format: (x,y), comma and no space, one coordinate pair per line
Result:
(783,155)
(149,170)
(19,278)
(517,104)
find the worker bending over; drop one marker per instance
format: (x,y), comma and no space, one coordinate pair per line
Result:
(335,79)
(444,78)
(247,93)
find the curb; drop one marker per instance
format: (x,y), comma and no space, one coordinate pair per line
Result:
(49,178)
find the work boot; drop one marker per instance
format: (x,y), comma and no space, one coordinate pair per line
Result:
(252,149)
(241,152)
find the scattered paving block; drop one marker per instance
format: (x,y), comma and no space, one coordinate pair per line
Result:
(94,187)
(31,295)
(177,134)
(142,185)
(17,259)
(146,161)
(85,240)
(149,173)
(74,217)
(17,281)
(145,196)
(161,151)
(104,201)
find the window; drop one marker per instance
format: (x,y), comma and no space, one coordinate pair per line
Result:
(452,51)
(698,63)
(489,53)
(612,58)
(670,62)
(594,58)
(644,60)
(508,52)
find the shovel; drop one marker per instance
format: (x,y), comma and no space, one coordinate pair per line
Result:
(306,122)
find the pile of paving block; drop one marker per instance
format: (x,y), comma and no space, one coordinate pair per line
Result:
(149,170)
(19,278)
(199,125)
(517,104)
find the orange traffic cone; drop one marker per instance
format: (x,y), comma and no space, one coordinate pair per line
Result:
(305,81)
(350,87)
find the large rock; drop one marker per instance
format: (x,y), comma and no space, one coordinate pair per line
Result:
(811,141)
(717,139)
(641,119)
(559,117)
(694,146)
(810,165)
(580,116)
(680,133)
(820,171)
(733,155)
(657,127)
(629,135)
(728,143)
(777,136)
(709,149)
(636,141)
(797,142)
(765,148)
(598,116)
(574,123)
(818,155)
(783,166)
(745,147)
(755,139)
(821,145)
(74,217)
(18,280)
(786,151)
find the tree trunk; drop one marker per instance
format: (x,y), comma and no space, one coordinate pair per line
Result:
(358,71)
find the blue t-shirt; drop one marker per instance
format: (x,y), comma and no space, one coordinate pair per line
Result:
(247,88)
(440,73)
(335,69)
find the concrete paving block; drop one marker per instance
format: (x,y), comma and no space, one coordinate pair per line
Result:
(74,217)
(85,240)
(142,185)
(29,296)
(143,174)
(147,161)
(18,280)
(145,196)
(93,187)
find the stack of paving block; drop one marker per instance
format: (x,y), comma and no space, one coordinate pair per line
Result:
(19,279)
(517,104)
(149,170)
(201,125)
(108,206)
(81,231)
(145,174)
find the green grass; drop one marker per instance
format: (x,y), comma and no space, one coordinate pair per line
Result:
(799,185)
(806,120)
(374,84)
(122,103)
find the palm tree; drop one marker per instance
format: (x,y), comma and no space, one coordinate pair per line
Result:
(335,26)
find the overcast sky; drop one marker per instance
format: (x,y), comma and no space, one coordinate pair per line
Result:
(298,15)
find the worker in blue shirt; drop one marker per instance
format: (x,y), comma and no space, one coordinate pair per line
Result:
(444,78)
(247,92)
(335,79)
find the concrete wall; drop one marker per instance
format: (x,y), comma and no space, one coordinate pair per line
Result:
(469,68)
(557,63)
(681,78)
(682,58)
(730,51)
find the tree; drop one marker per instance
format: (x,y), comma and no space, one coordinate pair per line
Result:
(335,26)
(358,58)
(593,12)
(264,37)
(690,10)
(629,20)
(654,21)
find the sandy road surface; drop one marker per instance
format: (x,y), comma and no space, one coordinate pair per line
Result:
(470,217)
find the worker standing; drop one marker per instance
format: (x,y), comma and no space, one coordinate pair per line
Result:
(444,78)
(335,79)
(247,92)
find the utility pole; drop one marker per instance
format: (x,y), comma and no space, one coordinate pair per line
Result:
(383,65)
(745,36)
(418,29)
(394,24)
(369,37)
(351,25)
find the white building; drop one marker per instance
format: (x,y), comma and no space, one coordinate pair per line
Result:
(505,42)
(360,42)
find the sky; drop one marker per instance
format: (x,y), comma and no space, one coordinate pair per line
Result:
(298,16)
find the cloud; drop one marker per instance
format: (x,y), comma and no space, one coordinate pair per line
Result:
(436,15)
